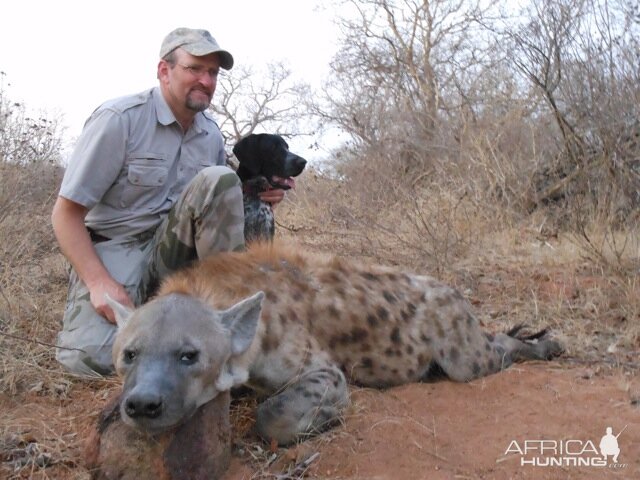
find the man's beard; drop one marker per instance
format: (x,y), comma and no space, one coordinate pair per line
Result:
(197,105)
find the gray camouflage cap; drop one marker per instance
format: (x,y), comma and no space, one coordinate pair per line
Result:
(197,42)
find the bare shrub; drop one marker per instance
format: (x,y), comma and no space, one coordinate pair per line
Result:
(415,83)
(24,139)
(513,113)
(32,273)
(249,100)
(579,56)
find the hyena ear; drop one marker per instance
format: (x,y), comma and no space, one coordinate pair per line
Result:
(123,313)
(242,322)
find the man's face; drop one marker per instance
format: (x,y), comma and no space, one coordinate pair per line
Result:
(191,82)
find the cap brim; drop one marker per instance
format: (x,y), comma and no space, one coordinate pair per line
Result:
(226,59)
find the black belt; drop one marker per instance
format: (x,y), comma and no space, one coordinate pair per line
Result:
(96,237)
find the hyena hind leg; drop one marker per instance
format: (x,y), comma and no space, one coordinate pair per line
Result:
(309,405)
(518,347)
(485,354)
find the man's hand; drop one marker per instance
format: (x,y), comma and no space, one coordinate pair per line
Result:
(115,291)
(274,196)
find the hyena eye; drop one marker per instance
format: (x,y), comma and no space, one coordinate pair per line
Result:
(129,355)
(189,358)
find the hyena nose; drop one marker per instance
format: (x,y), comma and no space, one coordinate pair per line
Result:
(149,406)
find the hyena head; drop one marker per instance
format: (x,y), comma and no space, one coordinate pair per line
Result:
(176,353)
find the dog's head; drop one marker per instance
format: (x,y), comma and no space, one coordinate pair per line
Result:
(267,155)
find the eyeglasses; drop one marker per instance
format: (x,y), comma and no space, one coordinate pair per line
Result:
(199,71)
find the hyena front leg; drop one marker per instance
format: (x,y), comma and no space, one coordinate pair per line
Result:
(310,403)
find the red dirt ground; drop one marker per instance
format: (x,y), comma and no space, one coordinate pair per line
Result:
(447,430)
(442,430)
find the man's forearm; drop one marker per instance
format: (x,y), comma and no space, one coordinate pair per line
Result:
(74,240)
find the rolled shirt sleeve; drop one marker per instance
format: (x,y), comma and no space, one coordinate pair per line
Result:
(97,160)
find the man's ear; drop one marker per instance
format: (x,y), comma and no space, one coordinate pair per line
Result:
(122,312)
(242,322)
(163,70)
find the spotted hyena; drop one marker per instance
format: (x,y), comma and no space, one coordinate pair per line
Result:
(323,322)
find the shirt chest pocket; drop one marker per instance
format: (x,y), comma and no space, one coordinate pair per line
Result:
(147,175)
(146,181)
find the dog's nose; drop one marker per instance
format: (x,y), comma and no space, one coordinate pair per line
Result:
(141,405)
(296,162)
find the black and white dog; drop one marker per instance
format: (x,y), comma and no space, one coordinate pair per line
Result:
(265,162)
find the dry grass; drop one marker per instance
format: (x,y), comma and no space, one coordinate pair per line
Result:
(32,277)
(512,270)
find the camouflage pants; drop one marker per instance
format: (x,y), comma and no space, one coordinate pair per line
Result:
(208,218)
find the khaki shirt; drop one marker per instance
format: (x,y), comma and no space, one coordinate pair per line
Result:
(133,160)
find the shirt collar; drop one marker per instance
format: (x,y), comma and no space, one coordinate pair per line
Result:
(166,116)
(199,123)
(164,113)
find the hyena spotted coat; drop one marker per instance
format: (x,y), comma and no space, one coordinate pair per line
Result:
(326,321)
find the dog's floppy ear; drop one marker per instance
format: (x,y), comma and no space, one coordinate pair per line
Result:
(246,151)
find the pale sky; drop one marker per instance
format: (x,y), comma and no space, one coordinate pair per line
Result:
(69,56)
